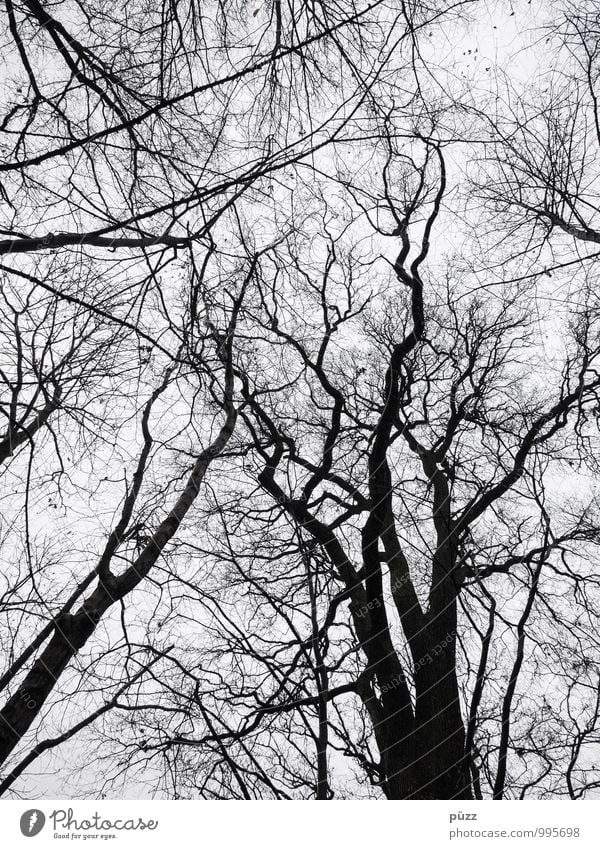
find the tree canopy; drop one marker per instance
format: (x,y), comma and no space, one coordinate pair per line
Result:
(300,375)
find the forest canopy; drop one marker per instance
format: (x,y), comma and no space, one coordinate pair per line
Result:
(299,384)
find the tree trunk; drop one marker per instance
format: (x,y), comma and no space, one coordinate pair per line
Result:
(427,760)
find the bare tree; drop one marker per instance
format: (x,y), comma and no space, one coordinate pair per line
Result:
(314,427)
